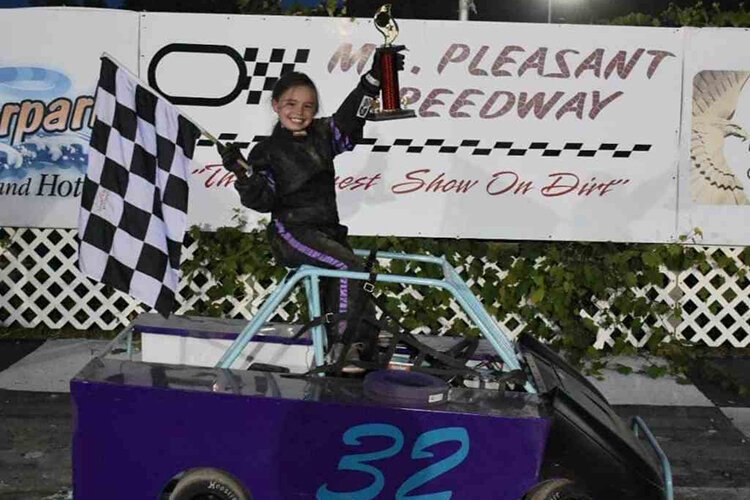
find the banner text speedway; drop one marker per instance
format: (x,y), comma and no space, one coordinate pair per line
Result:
(517,61)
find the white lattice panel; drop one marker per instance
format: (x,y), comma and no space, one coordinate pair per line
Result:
(716,304)
(40,285)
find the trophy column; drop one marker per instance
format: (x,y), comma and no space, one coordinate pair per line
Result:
(389,107)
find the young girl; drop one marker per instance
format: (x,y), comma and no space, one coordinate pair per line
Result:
(292,177)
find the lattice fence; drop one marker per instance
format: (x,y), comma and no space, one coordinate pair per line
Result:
(40,285)
(714,304)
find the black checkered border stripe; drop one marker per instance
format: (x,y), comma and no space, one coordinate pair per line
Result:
(509,148)
(263,74)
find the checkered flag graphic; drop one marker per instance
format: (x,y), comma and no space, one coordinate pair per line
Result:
(135,194)
(266,69)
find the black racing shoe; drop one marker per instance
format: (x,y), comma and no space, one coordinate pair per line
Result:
(350,366)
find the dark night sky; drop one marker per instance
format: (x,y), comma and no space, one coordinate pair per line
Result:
(525,10)
(489,10)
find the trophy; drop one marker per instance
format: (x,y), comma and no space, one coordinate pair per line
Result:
(389,107)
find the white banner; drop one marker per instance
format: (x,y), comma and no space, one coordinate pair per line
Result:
(48,72)
(523,131)
(715,162)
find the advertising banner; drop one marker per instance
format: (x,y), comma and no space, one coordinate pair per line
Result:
(715,160)
(523,131)
(48,72)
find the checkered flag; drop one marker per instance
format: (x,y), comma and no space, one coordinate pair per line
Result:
(135,194)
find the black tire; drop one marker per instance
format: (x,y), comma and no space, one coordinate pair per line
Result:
(405,388)
(208,484)
(556,489)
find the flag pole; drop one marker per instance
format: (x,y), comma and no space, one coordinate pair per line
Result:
(145,85)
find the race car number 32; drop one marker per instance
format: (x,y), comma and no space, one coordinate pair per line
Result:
(362,462)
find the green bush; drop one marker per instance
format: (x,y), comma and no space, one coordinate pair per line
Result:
(699,15)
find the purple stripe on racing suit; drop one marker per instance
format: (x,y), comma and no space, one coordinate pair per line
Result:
(268,175)
(326,259)
(341,142)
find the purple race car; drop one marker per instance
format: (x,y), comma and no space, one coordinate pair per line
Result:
(200,408)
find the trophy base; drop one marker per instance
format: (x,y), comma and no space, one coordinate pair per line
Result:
(390,114)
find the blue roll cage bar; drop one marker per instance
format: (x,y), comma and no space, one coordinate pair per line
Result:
(310,275)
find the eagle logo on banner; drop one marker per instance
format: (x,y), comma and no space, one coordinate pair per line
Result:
(715,97)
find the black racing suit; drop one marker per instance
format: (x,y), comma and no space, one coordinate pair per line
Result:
(293,179)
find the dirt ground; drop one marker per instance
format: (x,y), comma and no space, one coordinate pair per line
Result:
(35,437)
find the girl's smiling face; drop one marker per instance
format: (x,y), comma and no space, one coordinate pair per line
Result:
(296,108)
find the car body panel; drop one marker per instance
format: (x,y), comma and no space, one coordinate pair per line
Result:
(588,441)
(138,424)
